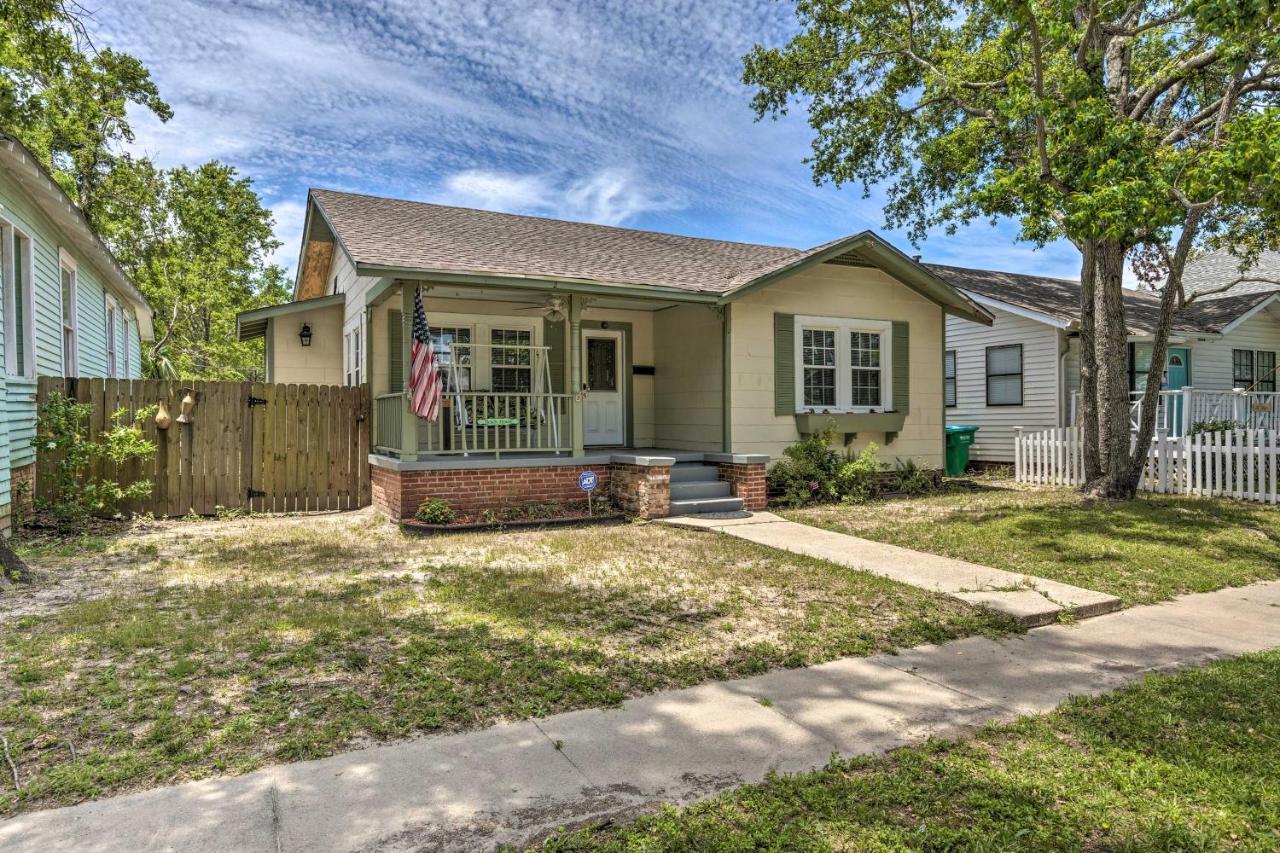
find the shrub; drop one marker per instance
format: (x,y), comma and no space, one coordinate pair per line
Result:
(807,472)
(78,492)
(435,511)
(1220,425)
(911,479)
(858,479)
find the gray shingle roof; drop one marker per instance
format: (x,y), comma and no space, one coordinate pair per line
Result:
(416,235)
(1219,268)
(1060,298)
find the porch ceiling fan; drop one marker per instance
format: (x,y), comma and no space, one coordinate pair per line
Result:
(552,309)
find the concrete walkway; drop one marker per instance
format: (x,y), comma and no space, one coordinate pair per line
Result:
(510,784)
(1031,600)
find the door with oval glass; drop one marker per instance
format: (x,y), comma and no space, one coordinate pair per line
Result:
(604,403)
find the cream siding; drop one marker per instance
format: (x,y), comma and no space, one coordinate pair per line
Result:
(846,292)
(319,364)
(689,395)
(1041,346)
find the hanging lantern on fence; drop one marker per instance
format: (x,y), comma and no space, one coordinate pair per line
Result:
(188,406)
(163,418)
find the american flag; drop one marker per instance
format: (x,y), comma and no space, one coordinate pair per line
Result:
(424,374)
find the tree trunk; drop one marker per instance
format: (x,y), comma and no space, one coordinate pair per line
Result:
(1086,405)
(1111,357)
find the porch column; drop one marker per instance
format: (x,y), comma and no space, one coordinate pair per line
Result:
(575,371)
(409,422)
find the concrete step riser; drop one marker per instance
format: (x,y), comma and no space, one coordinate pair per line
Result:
(697,507)
(685,473)
(689,491)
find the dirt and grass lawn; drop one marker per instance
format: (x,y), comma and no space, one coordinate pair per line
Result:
(1186,762)
(180,650)
(1147,550)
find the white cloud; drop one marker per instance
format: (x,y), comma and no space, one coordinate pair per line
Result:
(608,197)
(289,217)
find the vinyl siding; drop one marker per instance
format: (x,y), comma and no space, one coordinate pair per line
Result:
(1040,392)
(832,290)
(689,395)
(1211,357)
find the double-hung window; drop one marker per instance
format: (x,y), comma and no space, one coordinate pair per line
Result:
(15,269)
(511,365)
(949,378)
(1004,375)
(113,337)
(843,365)
(70,320)
(1266,364)
(1242,368)
(453,355)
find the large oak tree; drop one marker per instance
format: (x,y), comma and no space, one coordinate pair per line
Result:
(1132,129)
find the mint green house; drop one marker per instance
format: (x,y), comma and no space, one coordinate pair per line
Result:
(67,307)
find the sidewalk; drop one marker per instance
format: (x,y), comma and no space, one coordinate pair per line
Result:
(1031,600)
(511,783)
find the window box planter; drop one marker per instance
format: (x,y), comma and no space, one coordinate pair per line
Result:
(810,423)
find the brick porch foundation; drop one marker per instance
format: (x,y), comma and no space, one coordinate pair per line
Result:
(399,493)
(642,489)
(746,479)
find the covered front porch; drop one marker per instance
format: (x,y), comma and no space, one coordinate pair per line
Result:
(542,373)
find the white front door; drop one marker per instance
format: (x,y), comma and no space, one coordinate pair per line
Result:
(603,407)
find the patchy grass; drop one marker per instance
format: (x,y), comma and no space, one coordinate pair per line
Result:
(213,647)
(1186,762)
(1143,551)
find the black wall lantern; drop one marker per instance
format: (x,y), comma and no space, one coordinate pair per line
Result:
(305,335)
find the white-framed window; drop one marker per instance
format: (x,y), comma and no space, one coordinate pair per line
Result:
(355,351)
(949,378)
(67,272)
(453,355)
(124,346)
(113,336)
(1004,375)
(511,360)
(15,270)
(843,364)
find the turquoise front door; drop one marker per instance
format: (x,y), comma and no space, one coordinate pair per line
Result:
(1177,376)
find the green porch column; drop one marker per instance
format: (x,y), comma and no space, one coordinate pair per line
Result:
(575,370)
(409,425)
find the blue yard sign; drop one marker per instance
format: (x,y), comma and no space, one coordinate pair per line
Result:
(587,481)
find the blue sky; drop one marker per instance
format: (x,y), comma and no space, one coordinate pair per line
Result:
(617,111)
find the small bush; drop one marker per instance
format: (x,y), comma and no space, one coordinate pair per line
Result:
(858,479)
(911,479)
(435,511)
(808,470)
(61,428)
(1220,425)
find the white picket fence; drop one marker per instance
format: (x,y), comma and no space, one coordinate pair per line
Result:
(1242,464)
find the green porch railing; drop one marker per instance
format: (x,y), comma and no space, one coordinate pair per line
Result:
(482,422)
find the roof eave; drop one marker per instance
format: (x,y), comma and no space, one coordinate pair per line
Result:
(253,323)
(1247,315)
(540,283)
(890,261)
(988,301)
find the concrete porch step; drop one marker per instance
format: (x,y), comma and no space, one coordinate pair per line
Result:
(692,472)
(698,506)
(695,489)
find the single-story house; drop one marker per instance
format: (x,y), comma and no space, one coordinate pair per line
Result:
(1023,370)
(674,367)
(67,308)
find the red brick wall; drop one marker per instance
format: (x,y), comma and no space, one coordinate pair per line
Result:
(746,481)
(398,493)
(642,490)
(23,496)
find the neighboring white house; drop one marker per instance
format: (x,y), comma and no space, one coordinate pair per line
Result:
(1024,370)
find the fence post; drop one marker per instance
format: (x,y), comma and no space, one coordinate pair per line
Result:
(1187,394)
(1017,454)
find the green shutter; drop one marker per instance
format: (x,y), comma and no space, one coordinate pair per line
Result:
(901,366)
(395,351)
(784,364)
(553,339)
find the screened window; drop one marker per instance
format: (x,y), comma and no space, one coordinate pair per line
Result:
(1242,368)
(949,378)
(864,366)
(15,260)
(357,361)
(1266,364)
(511,362)
(1004,375)
(124,345)
(70,359)
(453,355)
(819,350)
(113,337)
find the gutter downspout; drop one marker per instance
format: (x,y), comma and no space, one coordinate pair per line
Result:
(726,378)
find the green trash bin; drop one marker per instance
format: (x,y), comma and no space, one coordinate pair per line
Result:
(959,438)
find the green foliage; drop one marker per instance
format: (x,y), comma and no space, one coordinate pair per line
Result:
(858,479)
(435,511)
(1214,425)
(78,492)
(807,471)
(196,243)
(910,478)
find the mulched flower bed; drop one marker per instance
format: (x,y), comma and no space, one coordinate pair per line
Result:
(514,517)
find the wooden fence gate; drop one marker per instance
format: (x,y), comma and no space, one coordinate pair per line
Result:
(245,446)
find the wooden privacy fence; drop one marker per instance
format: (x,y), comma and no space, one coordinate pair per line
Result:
(1243,464)
(247,445)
